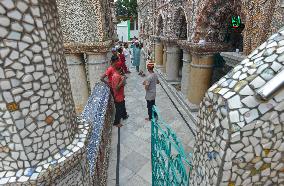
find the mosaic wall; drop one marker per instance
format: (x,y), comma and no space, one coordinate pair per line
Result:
(41,142)
(262,19)
(240,137)
(180,24)
(84,161)
(160,26)
(212,19)
(37,116)
(80,23)
(87,31)
(208,19)
(108,19)
(86,21)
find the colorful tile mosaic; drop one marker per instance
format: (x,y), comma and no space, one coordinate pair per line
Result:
(40,138)
(34,84)
(88,21)
(88,31)
(241,141)
(79,160)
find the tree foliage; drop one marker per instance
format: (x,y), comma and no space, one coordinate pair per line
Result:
(126,9)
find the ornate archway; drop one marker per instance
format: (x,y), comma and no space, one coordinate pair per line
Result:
(180,24)
(213,18)
(160,26)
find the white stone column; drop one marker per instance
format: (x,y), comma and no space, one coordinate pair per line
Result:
(158,53)
(96,64)
(200,76)
(37,115)
(172,65)
(165,58)
(185,73)
(78,80)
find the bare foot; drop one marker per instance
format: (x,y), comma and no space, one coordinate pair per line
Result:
(147,119)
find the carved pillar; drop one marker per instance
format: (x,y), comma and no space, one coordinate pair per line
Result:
(158,53)
(185,81)
(96,64)
(78,79)
(172,64)
(164,58)
(200,77)
(201,68)
(84,33)
(37,115)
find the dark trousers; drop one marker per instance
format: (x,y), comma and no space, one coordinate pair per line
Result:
(120,112)
(137,68)
(150,104)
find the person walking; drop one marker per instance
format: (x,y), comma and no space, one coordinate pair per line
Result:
(117,85)
(142,66)
(136,55)
(122,59)
(127,54)
(150,87)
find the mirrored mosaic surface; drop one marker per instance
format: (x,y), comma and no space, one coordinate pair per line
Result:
(37,116)
(240,136)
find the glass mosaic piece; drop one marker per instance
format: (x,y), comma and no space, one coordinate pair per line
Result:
(49,120)
(12,107)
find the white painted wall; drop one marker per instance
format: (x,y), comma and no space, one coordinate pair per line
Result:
(122,31)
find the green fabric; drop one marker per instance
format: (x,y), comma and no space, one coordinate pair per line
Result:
(128,26)
(136,56)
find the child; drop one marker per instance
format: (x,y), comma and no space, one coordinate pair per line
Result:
(122,60)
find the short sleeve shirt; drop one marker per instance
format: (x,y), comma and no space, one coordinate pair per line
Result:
(109,73)
(151,80)
(119,64)
(122,58)
(118,94)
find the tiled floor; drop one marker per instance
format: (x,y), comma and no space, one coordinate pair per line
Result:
(135,135)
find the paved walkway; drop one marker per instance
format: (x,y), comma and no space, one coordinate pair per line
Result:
(135,136)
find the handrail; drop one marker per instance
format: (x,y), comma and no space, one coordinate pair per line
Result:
(271,87)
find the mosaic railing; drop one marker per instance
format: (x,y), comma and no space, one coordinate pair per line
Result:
(171,165)
(99,113)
